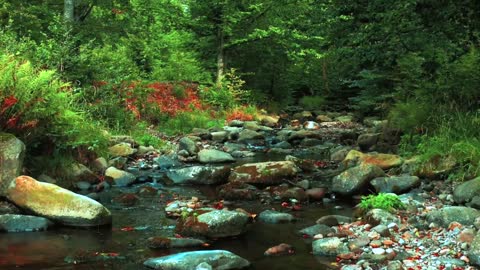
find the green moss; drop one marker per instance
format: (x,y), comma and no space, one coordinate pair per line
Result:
(385,201)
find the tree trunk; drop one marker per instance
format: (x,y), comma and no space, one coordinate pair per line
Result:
(68,11)
(220,56)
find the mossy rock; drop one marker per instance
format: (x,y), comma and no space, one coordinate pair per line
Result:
(12,153)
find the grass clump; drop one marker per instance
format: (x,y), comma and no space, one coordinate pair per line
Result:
(386,201)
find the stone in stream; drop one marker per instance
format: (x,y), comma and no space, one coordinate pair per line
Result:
(331,246)
(214,156)
(448,214)
(282,249)
(380,216)
(56,203)
(273,172)
(12,152)
(218,259)
(166,162)
(355,179)
(275,217)
(395,184)
(249,135)
(317,229)
(119,177)
(238,191)
(474,252)
(367,140)
(23,223)
(466,191)
(282,145)
(188,144)
(384,161)
(173,242)
(213,224)
(203,175)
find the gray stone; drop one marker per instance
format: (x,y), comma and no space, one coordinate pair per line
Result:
(274,217)
(380,216)
(100,164)
(249,135)
(120,178)
(465,192)
(236,123)
(474,252)
(334,220)
(23,223)
(166,162)
(331,246)
(355,179)
(395,184)
(122,150)
(221,259)
(444,216)
(215,224)
(282,145)
(214,156)
(367,140)
(219,136)
(188,144)
(264,172)
(203,175)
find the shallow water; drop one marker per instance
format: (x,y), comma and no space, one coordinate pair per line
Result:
(60,247)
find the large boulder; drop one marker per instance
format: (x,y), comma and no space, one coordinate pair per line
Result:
(448,214)
(214,156)
(216,259)
(395,184)
(367,141)
(23,223)
(203,175)
(273,172)
(213,224)
(466,191)
(249,135)
(355,179)
(384,161)
(12,152)
(56,203)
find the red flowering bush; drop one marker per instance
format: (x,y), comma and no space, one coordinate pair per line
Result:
(241,113)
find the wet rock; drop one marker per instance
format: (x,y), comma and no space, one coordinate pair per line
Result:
(214,156)
(331,246)
(219,136)
(214,224)
(269,121)
(56,203)
(294,193)
(395,184)
(231,147)
(339,153)
(47,179)
(147,191)
(355,179)
(305,184)
(188,144)
(448,214)
(264,172)
(311,125)
(358,243)
(173,242)
(282,249)
(242,154)
(334,220)
(474,252)
(274,217)
(238,191)
(367,141)
(82,185)
(302,134)
(282,145)
(143,150)
(236,123)
(308,142)
(466,191)
(380,216)
(251,125)
(323,118)
(203,175)
(166,162)
(249,135)
(122,150)
(23,223)
(317,229)
(127,199)
(221,259)
(118,162)
(119,177)
(316,194)
(77,172)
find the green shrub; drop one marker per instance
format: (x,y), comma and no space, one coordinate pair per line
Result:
(385,201)
(312,102)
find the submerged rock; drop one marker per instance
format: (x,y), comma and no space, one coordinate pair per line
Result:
(264,172)
(12,152)
(119,177)
(173,242)
(274,217)
(56,203)
(202,175)
(23,223)
(213,224)
(219,259)
(384,161)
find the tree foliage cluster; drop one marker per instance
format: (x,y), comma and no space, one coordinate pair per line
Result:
(413,60)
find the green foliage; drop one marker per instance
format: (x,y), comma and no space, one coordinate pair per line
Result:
(385,201)
(185,122)
(410,116)
(312,102)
